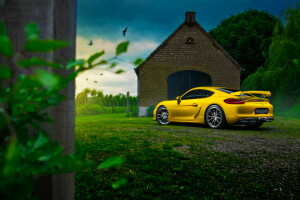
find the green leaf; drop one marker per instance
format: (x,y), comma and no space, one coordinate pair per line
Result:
(112,65)
(37,45)
(40,141)
(119,71)
(52,150)
(102,62)
(296,62)
(138,61)
(122,47)
(11,158)
(72,76)
(35,61)
(54,100)
(47,79)
(6,47)
(73,63)
(32,31)
(94,57)
(111,162)
(119,183)
(5,72)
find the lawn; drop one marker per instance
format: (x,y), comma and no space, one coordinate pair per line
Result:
(188,161)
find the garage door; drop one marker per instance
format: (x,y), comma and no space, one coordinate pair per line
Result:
(182,81)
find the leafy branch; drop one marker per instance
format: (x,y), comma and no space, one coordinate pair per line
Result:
(25,104)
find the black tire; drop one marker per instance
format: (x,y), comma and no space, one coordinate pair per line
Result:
(255,125)
(215,117)
(162,115)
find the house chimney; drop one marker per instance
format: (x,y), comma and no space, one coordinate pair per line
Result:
(190,18)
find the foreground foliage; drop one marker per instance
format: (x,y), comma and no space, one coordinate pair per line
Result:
(25,149)
(187,161)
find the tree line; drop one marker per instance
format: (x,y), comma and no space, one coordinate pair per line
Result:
(97,97)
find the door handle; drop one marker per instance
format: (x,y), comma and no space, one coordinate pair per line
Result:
(195,105)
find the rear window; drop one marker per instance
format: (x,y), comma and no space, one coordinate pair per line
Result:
(227,90)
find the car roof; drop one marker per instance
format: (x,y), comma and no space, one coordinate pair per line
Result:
(207,87)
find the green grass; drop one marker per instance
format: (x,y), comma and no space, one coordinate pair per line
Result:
(188,161)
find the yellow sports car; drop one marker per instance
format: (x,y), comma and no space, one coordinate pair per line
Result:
(216,107)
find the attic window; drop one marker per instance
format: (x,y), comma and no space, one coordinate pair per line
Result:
(190,40)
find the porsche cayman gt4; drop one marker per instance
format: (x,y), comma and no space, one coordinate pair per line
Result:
(216,107)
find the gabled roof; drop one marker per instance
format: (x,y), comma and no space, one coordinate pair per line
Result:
(216,44)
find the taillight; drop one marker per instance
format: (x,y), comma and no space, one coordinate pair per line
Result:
(234,101)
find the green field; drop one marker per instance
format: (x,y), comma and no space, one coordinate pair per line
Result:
(188,161)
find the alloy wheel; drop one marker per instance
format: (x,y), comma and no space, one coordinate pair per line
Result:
(214,117)
(162,115)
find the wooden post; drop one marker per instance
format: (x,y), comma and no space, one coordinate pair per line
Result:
(127,104)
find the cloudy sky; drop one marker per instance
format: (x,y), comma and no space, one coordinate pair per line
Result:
(149,23)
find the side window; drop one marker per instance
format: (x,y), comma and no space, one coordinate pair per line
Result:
(197,94)
(207,93)
(194,94)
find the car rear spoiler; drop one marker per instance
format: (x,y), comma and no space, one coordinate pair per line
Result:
(264,94)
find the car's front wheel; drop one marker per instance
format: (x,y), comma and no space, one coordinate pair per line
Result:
(162,115)
(215,117)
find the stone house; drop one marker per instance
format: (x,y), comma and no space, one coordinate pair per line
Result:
(188,58)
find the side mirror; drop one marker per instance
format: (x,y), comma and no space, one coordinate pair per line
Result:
(178,99)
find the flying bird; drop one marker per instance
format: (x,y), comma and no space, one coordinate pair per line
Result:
(101,74)
(124,32)
(95,81)
(91,43)
(87,79)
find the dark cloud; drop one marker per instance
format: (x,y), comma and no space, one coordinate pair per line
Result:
(156,19)
(149,23)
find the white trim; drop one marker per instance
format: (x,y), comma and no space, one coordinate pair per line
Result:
(142,111)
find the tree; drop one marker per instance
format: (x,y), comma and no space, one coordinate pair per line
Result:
(110,98)
(81,98)
(93,92)
(100,94)
(100,97)
(87,90)
(282,71)
(247,37)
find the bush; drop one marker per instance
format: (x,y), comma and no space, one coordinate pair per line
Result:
(294,111)
(150,110)
(135,112)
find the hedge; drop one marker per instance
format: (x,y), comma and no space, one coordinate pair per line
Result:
(93,109)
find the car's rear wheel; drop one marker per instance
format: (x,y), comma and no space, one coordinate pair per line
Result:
(215,117)
(162,115)
(255,125)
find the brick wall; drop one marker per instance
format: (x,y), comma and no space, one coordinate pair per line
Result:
(175,55)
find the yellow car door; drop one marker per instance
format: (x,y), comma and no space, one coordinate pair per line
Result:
(187,106)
